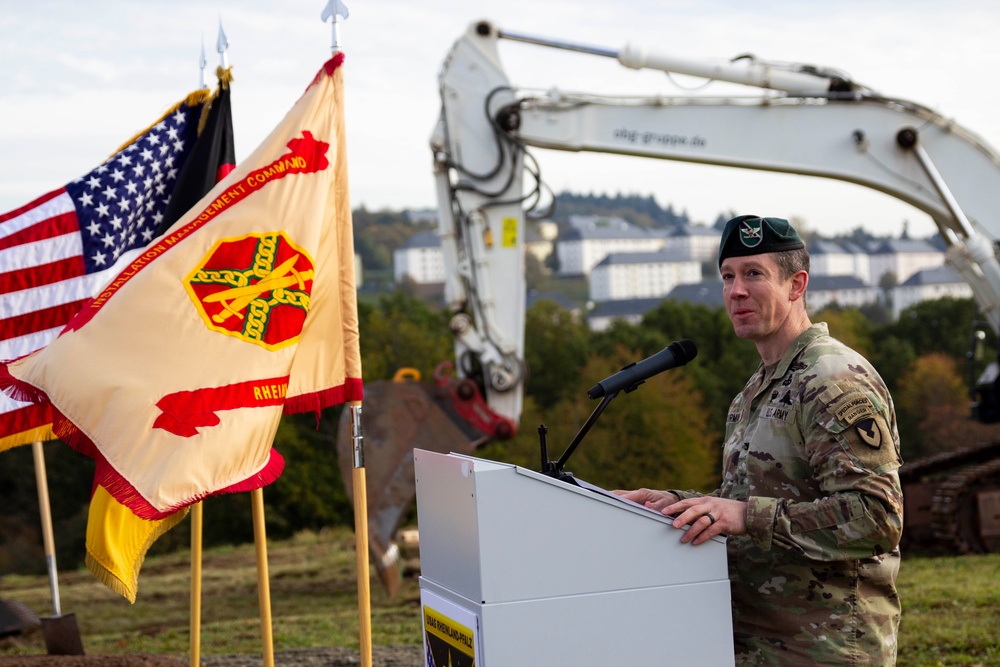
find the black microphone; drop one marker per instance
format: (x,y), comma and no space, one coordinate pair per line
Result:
(676,354)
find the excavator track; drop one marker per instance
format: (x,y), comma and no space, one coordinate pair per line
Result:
(967,509)
(938,463)
(952,500)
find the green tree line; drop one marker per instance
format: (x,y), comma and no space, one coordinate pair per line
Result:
(640,210)
(665,434)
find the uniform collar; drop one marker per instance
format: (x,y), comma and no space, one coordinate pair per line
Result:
(799,344)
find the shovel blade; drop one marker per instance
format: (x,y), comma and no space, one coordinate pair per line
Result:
(62,635)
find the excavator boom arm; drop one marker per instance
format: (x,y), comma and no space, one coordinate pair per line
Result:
(795,119)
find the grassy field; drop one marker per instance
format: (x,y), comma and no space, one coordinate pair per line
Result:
(314,602)
(951,605)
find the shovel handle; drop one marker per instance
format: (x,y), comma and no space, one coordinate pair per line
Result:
(45,510)
(43,498)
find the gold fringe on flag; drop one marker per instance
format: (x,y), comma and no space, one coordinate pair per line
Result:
(200,96)
(225,77)
(193,99)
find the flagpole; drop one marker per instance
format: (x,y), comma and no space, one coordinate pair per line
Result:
(361,537)
(197,515)
(198,510)
(201,65)
(263,585)
(334,11)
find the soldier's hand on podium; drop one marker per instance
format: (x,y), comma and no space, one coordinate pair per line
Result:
(708,516)
(654,500)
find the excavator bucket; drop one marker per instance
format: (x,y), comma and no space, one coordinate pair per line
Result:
(398,417)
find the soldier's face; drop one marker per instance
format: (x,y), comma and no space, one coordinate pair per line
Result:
(756,296)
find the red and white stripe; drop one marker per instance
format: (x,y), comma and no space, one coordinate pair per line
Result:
(43,284)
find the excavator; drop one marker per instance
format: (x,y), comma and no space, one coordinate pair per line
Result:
(831,127)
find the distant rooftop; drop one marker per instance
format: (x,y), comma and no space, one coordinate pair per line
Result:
(594,221)
(942,275)
(695,230)
(652,257)
(625,307)
(706,293)
(853,248)
(899,246)
(423,240)
(819,283)
(421,215)
(611,232)
(561,300)
(824,247)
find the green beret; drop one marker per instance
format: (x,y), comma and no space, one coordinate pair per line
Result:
(753,235)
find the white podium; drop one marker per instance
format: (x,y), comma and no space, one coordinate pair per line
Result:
(522,570)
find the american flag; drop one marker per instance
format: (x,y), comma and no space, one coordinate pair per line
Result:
(59,250)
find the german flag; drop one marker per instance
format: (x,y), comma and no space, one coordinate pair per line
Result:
(212,158)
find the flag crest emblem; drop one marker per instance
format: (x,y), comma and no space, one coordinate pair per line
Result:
(256,288)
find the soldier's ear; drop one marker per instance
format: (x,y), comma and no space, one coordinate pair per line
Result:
(800,281)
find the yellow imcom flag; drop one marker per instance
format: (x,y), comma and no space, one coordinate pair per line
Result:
(174,377)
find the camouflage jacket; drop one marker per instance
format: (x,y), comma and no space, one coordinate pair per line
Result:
(811,446)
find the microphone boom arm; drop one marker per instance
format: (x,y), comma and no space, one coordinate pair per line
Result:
(627,379)
(555,468)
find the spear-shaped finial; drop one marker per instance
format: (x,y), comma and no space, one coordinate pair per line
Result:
(221,45)
(335,9)
(201,64)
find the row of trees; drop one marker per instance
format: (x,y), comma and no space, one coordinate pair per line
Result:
(665,434)
(640,210)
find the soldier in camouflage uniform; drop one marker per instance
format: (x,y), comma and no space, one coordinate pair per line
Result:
(810,497)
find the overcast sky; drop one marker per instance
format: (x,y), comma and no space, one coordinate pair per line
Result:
(79,78)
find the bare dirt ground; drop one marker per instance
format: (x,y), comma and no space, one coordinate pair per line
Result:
(382,656)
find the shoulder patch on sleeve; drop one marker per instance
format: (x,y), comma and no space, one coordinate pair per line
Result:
(871,441)
(850,403)
(852,406)
(869,432)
